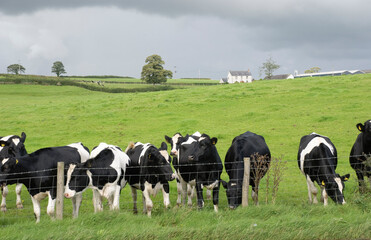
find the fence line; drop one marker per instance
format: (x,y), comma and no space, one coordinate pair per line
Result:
(222,194)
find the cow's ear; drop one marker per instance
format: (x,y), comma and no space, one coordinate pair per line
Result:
(360,127)
(167,138)
(23,137)
(214,140)
(163,146)
(345,177)
(224,183)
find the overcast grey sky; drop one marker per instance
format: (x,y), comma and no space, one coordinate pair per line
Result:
(196,37)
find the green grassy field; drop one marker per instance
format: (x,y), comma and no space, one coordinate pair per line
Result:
(281,111)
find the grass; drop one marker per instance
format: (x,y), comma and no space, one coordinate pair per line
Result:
(280,110)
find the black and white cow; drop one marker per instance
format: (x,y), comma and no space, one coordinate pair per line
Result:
(103,172)
(12,146)
(38,172)
(360,155)
(317,160)
(199,164)
(150,172)
(249,145)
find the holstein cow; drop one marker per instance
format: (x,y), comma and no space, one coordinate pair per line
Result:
(38,172)
(317,160)
(199,164)
(103,172)
(175,142)
(150,172)
(360,155)
(12,146)
(249,145)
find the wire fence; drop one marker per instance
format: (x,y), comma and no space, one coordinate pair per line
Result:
(283,182)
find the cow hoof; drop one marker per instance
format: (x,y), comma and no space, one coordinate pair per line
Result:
(20,206)
(189,204)
(3,208)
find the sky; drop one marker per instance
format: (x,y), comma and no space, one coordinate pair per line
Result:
(195,38)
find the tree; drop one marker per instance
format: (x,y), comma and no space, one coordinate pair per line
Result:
(269,67)
(58,68)
(16,69)
(313,70)
(153,72)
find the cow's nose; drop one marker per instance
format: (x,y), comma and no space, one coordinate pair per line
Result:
(173,153)
(172,177)
(191,158)
(67,195)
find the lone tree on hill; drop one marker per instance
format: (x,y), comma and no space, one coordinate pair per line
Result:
(16,69)
(313,70)
(58,68)
(269,67)
(153,72)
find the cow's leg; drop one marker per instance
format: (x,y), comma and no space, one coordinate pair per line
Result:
(312,190)
(36,208)
(200,198)
(116,198)
(324,196)
(135,197)
(18,190)
(190,194)
(179,191)
(147,202)
(165,193)
(97,201)
(76,203)
(361,181)
(208,194)
(50,210)
(4,193)
(184,191)
(216,197)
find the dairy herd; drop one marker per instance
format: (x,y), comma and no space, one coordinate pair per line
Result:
(107,169)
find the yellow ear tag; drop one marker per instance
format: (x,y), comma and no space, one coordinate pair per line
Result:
(323,183)
(359,128)
(346,179)
(149,155)
(16,161)
(3,145)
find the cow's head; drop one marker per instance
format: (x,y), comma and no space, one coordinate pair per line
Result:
(234,193)
(9,166)
(13,145)
(78,178)
(158,165)
(205,149)
(175,142)
(335,187)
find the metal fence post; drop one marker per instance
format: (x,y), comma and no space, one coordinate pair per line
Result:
(60,191)
(246,182)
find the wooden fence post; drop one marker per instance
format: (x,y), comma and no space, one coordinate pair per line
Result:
(60,191)
(246,182)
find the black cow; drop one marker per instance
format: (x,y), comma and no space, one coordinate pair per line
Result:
(12,146)
(249,145)
(360,155)
(38,172)
(103,172)
(317,160)
(148,171)
(199,164)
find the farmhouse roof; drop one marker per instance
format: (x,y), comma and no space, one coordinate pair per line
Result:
(240,73)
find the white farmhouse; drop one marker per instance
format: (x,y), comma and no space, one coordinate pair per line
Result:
(239,77)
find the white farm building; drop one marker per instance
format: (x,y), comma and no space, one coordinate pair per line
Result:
(238,77)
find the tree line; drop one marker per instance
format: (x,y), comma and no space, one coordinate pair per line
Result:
(153,71)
